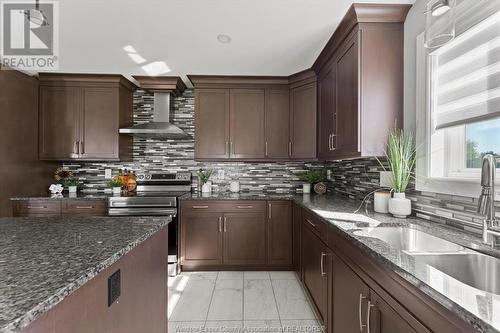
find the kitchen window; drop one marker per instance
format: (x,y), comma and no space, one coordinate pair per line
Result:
(460,119)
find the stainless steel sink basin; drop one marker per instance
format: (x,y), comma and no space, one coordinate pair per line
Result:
(476,270)
(410,240)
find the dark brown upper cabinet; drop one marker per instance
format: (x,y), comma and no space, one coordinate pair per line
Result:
(360,82)
(247,128)
(80,116)
(303,116)
(277,123)
(212,124)
(255,118)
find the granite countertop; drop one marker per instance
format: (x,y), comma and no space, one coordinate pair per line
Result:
(479,308)
(66,196)
(43,260)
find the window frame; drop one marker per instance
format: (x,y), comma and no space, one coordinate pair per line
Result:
(461,182)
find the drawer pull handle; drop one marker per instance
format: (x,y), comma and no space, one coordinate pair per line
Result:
(220,223)
(244,207)
(84,207)
(37,207)
(225,224)
(361,325)
(200,207)
(312,224)
(322,263)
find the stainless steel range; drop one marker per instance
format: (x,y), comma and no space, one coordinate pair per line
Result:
(156,195)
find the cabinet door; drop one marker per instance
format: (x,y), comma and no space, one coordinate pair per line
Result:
(280,232)
(350,298)
(316,272)
(384,319)
(100,120)
(247,123)
(245,238)
(59,123)
(277,123)
(346,139)
(212,123)
(326,112)
(303,117)
(201,238)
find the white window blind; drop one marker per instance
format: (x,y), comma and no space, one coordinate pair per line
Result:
(466,75)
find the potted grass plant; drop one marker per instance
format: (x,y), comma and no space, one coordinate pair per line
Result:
(116,185)
(204,180)
(401,156)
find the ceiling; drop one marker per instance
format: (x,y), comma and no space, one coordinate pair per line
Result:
(269,37)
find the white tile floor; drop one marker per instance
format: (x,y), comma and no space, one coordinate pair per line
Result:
(232,302)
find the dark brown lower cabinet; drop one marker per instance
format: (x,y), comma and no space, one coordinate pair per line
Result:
(357,308)
(279,228)
(317,273)
(201,238)
(244,239)
(62,207)
(297,222)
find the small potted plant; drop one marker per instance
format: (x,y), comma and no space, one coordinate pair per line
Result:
(312,177)
(116,185)
(204,180)
(71,185)
(401,156)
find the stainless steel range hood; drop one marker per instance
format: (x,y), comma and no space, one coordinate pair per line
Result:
(160,127)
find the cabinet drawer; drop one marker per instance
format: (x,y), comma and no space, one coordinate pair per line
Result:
(37,207)
(84,207)
(319,227)
(223,206)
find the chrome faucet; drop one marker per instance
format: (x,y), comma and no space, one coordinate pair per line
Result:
(486,205)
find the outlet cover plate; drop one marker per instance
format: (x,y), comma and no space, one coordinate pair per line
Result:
(107,173)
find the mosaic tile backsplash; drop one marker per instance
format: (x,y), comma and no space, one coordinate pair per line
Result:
(152,155)
(351,178)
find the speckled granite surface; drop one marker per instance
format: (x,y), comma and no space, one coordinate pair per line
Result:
(66,196)
(237,196)
(480,308)
(43,260)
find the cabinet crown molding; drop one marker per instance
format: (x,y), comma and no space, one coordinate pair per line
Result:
(94,80)
(360,13)
(171,84)
(207,81)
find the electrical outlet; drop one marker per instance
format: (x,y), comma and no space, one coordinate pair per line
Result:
(107,174)
(385,178)
(329,174)
(221,174)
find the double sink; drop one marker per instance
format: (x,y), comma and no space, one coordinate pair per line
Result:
(467,266)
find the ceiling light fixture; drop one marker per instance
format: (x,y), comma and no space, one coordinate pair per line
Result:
(440,7)
(36,15)
(224,39)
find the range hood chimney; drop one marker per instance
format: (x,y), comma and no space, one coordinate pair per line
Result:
(161,127)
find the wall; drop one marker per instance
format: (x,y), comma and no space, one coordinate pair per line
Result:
(20,171)
(153,155)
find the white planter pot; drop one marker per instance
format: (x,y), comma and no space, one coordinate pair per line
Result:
(306,188)
(399,206)
(117,190)
(207,187)
(72,189)
(381,202)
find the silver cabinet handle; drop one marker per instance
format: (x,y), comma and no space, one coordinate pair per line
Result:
(37,207)
(220,223)
(226,147)
(266,149)
(312,224)
(231,150)
(361,298)
(329,145)
(290,153)
(200,207)
(334,137)
(244,207)
(81,148)
(322,264)
(270,211)
(368,315)
(84,207)
(225,224)
(75,147)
